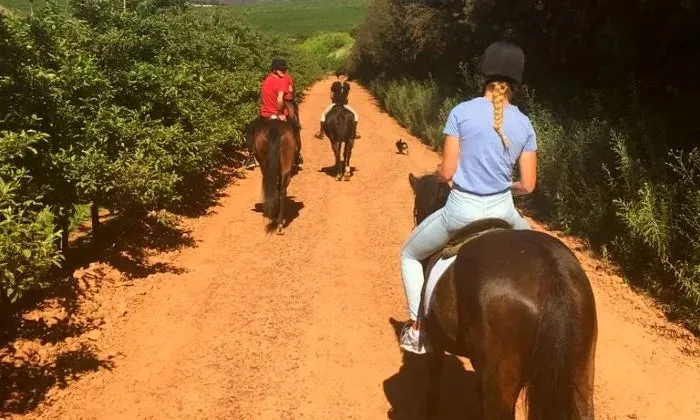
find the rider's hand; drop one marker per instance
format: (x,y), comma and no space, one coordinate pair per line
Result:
(439,173)
(282,117)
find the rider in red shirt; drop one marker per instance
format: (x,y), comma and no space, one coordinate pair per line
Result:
(272,91)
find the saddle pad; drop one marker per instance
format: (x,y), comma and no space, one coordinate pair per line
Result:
(436,273)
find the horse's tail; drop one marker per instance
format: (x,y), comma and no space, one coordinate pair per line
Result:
(551,388)
(271,177)
(340,124)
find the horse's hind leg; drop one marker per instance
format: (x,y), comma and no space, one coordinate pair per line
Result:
(435,361)
(284,181)
(585,383)
(500,387)
(338,163)
(347,153)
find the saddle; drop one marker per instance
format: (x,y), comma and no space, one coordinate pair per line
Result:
(471,232)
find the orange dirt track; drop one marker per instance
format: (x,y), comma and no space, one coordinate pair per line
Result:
(245,325)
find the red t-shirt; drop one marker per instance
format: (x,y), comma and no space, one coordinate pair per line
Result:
(269,90)
(288,95)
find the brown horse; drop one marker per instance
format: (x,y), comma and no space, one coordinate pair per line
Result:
(340,128)
(518,304)
(274,147)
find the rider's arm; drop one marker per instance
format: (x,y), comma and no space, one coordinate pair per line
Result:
(450,156)
(528,173)
(334,87)
(527,163)
(280,100)
(450,147)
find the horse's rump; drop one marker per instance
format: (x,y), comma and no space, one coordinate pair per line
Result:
(260,130)
(339,124)
(520,298)
(503,264)
(438,265)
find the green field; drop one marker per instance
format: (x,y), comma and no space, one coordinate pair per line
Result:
(299,18)
(305,17)
(25,6)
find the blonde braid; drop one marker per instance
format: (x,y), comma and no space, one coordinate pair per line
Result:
(500,91)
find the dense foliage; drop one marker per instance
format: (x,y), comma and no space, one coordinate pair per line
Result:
(611,90)
(330,49)
(118,109)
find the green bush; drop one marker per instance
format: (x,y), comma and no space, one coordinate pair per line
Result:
(422,107)
(27,235)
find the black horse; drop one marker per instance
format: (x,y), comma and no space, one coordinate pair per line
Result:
(340,128)
(519,305)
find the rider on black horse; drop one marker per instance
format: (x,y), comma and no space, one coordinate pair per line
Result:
(272,104)
(339,96)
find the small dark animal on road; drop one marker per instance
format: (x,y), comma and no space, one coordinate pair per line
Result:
(402,146)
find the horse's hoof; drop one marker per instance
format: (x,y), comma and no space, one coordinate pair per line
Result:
(339,177)
(280,230)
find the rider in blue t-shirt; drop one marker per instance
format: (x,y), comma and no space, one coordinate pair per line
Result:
(484,138)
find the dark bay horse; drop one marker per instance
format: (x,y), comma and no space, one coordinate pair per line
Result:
(274,146)
(519,305)
(340,128)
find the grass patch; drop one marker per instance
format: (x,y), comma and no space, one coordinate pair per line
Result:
(299,18)
(330,49)
(25,6)
(305,18)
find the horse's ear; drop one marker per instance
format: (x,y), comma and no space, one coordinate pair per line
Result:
(413,181)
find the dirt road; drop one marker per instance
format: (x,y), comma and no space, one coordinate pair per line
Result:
(242,325)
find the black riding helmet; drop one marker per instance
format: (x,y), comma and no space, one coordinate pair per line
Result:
(341,72)
(503,61)
(278,63)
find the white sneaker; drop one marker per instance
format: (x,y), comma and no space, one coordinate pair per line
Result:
(412,341)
